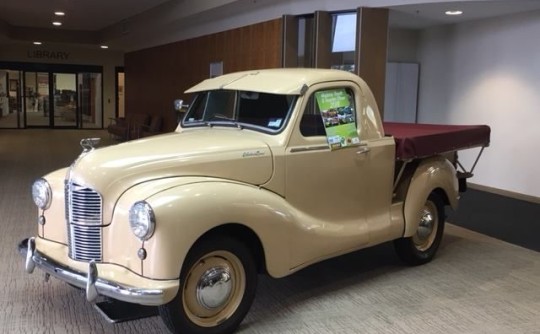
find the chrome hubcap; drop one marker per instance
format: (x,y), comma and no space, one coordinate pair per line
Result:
(427,228)
(214,287)
(426,225)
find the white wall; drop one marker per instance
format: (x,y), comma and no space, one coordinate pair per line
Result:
(403,45)
(488,72)
(66,81)
(401,92)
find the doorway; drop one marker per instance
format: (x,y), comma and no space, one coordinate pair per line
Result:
(50,100)
(51,96)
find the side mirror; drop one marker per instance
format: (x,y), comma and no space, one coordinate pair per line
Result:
(180,108)
(179,105)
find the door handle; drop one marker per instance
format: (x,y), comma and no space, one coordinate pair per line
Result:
(363,150)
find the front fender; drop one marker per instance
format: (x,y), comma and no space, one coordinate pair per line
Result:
(431,174)
(186,212)
(55,216)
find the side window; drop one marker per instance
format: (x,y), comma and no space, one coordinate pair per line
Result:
(311,123)
(330,112)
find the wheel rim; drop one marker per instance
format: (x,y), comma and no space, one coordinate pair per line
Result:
(213,288)
(427,229)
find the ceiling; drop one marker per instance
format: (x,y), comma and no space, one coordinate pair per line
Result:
(111,22)
(420,16)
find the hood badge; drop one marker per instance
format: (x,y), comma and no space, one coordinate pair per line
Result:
(88,144)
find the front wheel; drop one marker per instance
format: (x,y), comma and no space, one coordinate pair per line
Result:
(217,286)
(422,246)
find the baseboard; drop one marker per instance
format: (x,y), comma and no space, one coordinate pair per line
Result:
(504,216)
(506,193)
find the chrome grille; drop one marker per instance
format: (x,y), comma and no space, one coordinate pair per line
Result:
(84,218)
(85,242)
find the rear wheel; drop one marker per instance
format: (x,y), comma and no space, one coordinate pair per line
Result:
(218,282)
(422,246)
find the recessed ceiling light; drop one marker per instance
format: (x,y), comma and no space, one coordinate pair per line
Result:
(104,46)
(57,23)
(37,43)
(453,12)
(59,13)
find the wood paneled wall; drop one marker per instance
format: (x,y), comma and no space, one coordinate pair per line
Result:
(157,76)
(371,49)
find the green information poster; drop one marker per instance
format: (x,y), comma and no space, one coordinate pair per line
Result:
(338,117)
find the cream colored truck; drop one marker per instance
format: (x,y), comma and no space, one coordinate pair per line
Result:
(268,172)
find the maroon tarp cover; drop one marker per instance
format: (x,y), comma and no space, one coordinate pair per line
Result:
(421,140)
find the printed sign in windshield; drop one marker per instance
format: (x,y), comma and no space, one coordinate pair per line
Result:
(338,116)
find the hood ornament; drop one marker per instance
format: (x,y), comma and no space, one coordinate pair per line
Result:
(88,144)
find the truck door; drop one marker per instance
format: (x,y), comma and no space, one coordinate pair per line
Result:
(330,174)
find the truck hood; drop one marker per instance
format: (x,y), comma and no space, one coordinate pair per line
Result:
(231,154)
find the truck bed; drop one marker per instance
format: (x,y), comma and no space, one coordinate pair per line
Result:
(421,140)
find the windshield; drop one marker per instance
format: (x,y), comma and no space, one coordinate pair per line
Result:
(260,111)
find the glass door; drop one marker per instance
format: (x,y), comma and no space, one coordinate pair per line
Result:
(40,109)
(10,99)
(54,99)
(35,97)
(64,107)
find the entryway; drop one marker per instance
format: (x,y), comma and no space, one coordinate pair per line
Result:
(55,96)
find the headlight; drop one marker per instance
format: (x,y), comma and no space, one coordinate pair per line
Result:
(142,220)
(42,194)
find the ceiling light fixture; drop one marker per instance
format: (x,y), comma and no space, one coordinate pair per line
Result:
(59,13)
(453,12)
(104,46)
(57,23)
(37,43)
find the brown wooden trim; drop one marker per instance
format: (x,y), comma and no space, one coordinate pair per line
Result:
(323,39)
(371,50)
(289,47)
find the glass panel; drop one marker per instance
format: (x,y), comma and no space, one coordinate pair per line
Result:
(265,111)
(90,100)
(343,41)
(10,105)
(36,98)
(305,41)
(65,101)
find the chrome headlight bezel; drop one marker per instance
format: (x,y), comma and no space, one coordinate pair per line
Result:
(142,220)
(42,193)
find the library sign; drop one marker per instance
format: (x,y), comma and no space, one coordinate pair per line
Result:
(47,54)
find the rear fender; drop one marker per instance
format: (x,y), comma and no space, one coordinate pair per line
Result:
(432,174)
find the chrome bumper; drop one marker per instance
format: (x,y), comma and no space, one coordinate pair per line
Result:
(90,281)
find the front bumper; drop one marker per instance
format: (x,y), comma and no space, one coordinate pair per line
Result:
(145,292)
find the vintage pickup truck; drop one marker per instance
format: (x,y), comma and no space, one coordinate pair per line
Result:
(268,172)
